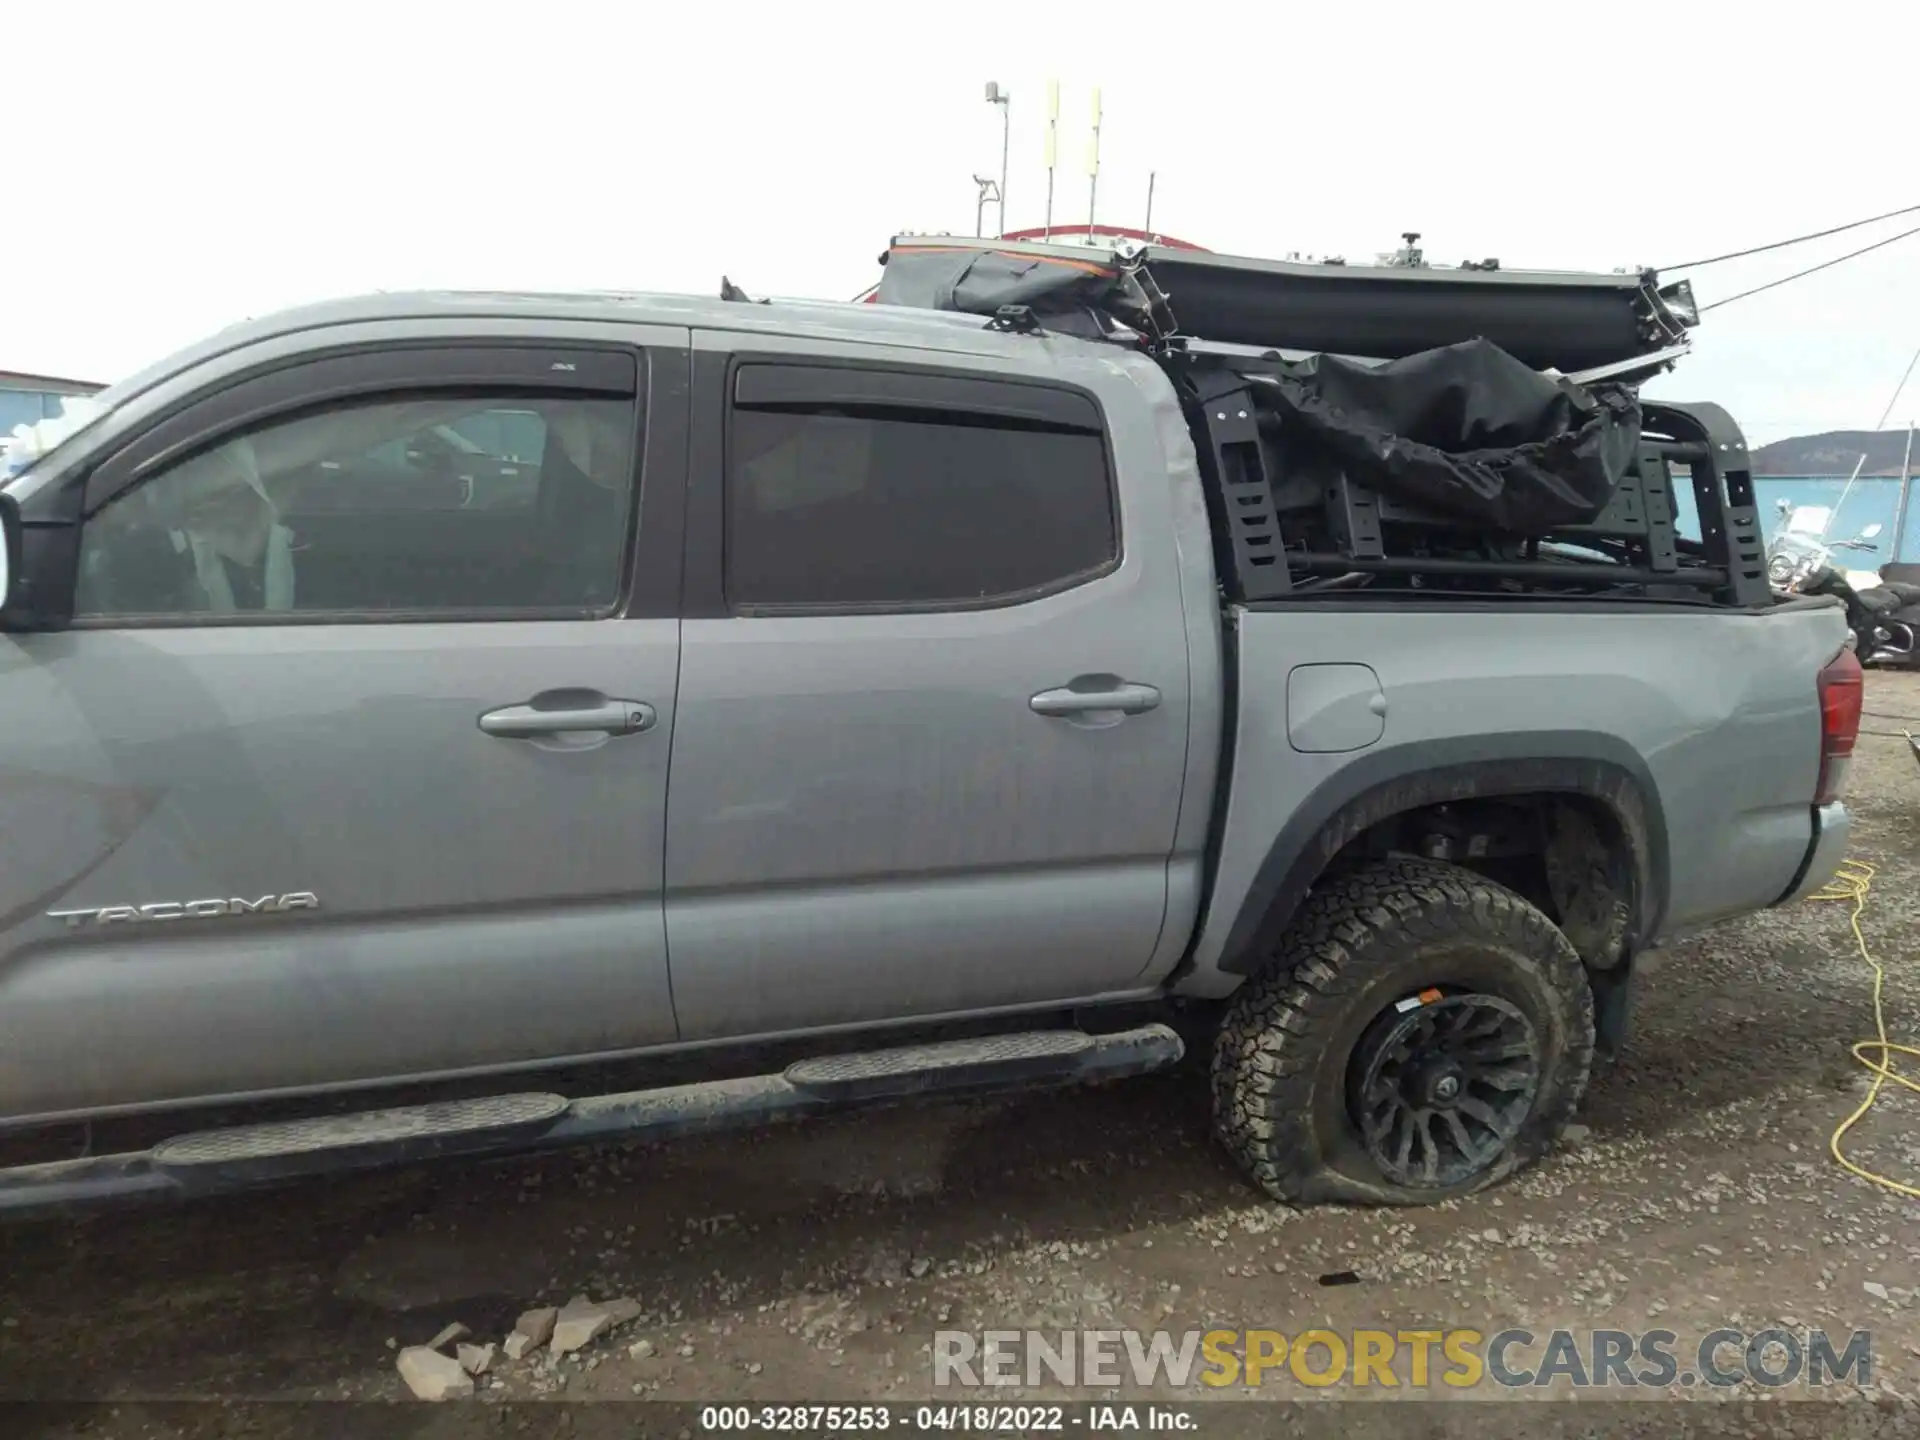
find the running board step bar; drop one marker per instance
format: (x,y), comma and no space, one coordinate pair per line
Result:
(915,1069)
(330,1140)
(208,1161)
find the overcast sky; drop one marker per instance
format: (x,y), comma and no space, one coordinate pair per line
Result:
(197,164)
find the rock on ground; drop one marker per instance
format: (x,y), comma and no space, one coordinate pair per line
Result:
(537,1325)
(578,1323)
(518,1346)
(433,1376)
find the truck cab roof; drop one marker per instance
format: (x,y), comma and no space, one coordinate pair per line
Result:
(840,320)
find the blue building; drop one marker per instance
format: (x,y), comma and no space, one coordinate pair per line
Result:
(29,399)
(1858,503)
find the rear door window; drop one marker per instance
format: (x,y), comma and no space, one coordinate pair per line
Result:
(838,504)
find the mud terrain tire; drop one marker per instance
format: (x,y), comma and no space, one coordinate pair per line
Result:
(1365,944)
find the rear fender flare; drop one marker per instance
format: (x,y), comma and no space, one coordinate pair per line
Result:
(1393,780)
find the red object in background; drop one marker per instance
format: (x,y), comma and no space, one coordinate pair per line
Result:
(1070,234)
(1074,234)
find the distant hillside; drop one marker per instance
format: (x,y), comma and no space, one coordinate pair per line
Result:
(1836,453)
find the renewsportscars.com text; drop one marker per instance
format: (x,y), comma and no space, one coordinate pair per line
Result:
(1392,1359)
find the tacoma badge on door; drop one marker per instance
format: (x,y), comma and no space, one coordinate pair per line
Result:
(188,909)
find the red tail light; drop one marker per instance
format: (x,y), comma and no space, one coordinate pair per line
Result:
(1842,695)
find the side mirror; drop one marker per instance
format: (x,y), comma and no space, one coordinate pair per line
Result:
(427,453)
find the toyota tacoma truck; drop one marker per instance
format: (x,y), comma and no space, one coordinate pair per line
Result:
(1073,660)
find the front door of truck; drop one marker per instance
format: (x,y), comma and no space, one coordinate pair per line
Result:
(353,765)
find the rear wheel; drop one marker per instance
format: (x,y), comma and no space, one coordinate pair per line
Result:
(1421,1033)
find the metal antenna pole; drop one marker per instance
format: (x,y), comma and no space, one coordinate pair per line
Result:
(1878,425)
(1006,144)
(1845,490)
(1906,494)
(1093,164)
(1053,138)
(1147,226)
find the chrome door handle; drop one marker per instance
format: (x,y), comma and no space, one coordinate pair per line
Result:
(1124,696)
(611,717)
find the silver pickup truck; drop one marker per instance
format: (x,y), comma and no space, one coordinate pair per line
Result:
(836,704)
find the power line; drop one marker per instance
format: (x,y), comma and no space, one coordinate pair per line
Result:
(1810,270)
(1905,376)
(1860,465)
(1797,240)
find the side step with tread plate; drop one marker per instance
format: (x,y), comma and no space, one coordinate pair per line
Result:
(207,1161)
(445,1127)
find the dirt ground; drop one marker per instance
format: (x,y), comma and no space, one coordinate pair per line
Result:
(816,1263)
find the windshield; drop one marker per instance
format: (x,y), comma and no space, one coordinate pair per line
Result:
(28,443)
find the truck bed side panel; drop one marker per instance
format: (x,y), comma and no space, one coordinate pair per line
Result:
(1715,713)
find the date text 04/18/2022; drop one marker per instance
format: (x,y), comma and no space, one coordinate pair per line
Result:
(1086,1418)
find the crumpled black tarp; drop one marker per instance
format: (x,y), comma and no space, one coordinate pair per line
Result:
(1468,430)
(982,282)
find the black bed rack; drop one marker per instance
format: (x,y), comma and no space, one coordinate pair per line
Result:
(1284,526)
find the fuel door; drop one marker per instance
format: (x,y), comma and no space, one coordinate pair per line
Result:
(1334,708)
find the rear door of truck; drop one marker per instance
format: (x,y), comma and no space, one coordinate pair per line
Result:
(403,811)
(934,691)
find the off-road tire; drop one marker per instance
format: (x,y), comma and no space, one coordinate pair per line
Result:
(1362,941)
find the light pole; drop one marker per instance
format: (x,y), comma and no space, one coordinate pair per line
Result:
(997,96)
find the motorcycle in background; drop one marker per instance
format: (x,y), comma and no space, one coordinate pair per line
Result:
(1883,615)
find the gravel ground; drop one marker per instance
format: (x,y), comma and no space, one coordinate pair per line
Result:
(815,1263)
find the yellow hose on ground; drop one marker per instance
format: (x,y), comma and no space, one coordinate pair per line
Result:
(1854,882)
